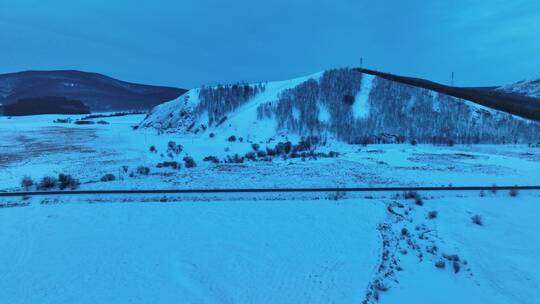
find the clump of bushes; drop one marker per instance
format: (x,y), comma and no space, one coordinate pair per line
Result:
(84,122)
(410,194)
(456,266)
(404,231)
(142,170)
(432,215)
(235,159)
(108,177)
(212,159)
(513,192)
(153,149)
(477,219)
(231,138)
(251,156)
(66,181)
(47,183)
(27,183)
(103,122)
(169,164)
(415,196)
(189,162)
(63,181)
(255,147)
(172,147)
(440,264)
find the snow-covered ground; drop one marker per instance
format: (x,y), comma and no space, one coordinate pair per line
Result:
(35,146)
(262,248)
(271,249)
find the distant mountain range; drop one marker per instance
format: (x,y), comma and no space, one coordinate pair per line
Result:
(98,92)
(355,106)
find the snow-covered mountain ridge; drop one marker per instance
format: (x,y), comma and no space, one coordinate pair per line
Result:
(344,104)
(529,88)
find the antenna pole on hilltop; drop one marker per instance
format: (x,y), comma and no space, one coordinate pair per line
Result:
(361,62)
(452,78)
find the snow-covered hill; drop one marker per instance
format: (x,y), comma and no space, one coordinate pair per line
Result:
(529,88)
(344,104)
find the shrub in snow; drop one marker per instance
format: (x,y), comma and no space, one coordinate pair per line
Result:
(337,195)
(270,152)
(102,122)
(211,135)
(172,147)
(108,177)
(451,257)
(410,194)
(255,147)
(84,122)
(404,231)
(432,215)
(456,266)
(261,154)
(235,159)
(283,148)
(125,169)
(432,249)
(251,156)
(414,142)
(380,286)
(67,181)
(231,138)
(189,162)
(169,164)
(476,219)
(212,159)
(482,193)
(47,183)
(333,154)
(440,264)
(142,170)
(153,149)
(240,139)
(513,192)
(27,183)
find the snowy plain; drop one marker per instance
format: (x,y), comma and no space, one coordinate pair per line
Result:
(271,248)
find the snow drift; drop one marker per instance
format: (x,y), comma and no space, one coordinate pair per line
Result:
(344,104)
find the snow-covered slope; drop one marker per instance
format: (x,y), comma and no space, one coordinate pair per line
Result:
(529,88)
(344,104)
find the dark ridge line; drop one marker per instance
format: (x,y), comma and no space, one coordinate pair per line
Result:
(520,105)
(266,190)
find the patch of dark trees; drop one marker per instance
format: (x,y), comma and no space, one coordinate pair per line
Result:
(45,105)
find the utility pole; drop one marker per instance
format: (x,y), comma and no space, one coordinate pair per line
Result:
(452,78)
(361,62)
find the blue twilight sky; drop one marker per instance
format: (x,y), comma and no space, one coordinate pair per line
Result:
(188,43)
